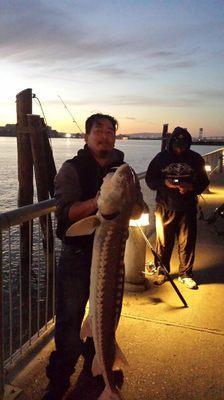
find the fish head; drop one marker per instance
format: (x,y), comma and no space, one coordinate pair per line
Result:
(118,191)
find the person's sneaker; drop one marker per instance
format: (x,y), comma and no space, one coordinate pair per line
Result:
(118,378)
(55,393)
(86,373)
(188,282)
(150,268)
(160,279)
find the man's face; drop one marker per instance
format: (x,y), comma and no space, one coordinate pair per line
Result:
(101,138)
(179,149)
(179,144)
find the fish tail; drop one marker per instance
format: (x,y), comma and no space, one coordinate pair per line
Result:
(96,369)
(119,358)
(109,394)
(86,330)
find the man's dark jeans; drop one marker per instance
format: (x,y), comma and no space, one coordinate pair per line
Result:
(181,225)
(73,281)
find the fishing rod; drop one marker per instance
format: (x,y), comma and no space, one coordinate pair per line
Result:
(158,259)
(39,102)
(73,119)
(34,96)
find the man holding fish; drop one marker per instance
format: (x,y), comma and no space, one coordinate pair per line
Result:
(95,191)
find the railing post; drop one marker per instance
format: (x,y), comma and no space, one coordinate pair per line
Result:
(1,326)
(221,158)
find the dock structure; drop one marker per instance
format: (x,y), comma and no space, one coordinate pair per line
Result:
(173,352)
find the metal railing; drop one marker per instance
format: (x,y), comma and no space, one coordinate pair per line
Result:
(14,339)
(26,312)
(215,160)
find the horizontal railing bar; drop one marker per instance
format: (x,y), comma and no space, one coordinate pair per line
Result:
(214,151)
(141,175)
(26,213)
(36,338)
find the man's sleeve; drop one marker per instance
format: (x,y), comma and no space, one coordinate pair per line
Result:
(67,190)
(200,179)
(153,178)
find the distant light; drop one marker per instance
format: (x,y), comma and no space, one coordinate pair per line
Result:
(68,135)
(142,221)
(208,168)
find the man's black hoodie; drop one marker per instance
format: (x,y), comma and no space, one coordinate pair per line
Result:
(188,166)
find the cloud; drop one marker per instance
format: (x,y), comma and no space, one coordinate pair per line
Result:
(74,35)
(175,98)
(208,93)
(76,42)
(154,101)
(174,65)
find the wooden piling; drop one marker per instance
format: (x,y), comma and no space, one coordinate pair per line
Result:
(25,193)
(25,161)
(40,149)
(34,150)
(38,156)
(48,157)
(165,136)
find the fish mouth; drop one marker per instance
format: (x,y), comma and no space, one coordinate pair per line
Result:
(112,169)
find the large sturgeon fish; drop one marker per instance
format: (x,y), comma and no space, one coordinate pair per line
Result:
(115,205)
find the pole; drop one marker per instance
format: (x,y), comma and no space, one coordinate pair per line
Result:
(221,158)
(25,192)
(134,260)
(49,158)
(165,136)
(40,162)
(163,267)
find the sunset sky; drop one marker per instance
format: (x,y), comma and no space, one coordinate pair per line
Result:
(145,62)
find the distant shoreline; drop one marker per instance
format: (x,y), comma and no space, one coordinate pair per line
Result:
(195,142)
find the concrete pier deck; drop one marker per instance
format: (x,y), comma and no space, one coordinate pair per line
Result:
(174,353)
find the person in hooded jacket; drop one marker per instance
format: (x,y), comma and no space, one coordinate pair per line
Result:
(178,175)
(77,186)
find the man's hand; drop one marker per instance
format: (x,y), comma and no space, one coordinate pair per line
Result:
(183,187)
(82,209)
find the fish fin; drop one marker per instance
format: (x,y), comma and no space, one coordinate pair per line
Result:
(86,329)
(96,369)
(109,394)
(85,226)
(119,358)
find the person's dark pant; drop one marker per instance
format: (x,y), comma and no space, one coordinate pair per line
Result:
(181,225)
(73,281)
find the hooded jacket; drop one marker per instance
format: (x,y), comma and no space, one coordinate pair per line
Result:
(188,166)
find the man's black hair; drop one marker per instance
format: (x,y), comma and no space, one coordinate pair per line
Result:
(96,117)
